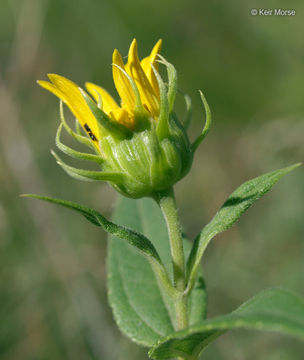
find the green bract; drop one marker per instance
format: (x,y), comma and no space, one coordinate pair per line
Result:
(141,146)
(149,159)
(136,163)
(146,163)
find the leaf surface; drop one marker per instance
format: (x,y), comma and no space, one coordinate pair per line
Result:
(141,310)
(236,204)
(134,238)
(273,309)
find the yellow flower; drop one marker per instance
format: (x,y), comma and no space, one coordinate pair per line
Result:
(142,74)
(140,145)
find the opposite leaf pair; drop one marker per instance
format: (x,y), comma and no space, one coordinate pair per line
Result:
(145,312)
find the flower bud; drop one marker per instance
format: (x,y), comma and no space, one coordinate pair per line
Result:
(140,145)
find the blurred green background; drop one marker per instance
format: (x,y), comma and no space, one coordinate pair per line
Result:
(53,278)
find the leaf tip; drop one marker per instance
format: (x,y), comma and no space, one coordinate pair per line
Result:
(292,167)
(29,196)
(296,165)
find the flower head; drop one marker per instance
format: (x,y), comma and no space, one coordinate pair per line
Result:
(139,143)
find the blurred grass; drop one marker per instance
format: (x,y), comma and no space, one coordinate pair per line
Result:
(53,280)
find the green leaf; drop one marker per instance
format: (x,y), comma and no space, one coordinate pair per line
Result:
(236,204)
(135,239)
(141,310)
(198,301)
(274,309)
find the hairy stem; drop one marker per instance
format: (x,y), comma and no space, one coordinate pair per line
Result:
(167,204)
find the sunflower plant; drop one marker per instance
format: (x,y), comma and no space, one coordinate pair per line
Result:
(142,149)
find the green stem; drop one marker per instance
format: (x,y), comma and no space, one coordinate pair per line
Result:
(167,204)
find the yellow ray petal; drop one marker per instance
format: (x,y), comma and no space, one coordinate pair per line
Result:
(147,94)
(108,103)
(146,65)
(72,96)
(52,88)
(122,83)
(122,116)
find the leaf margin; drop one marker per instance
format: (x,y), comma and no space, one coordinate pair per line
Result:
(208,232)
(217,326)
